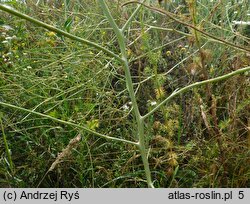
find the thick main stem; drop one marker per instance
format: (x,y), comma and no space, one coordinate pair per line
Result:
(140,122)
(142,149)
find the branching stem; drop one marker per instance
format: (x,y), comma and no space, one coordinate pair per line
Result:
(14,12)
(67,123)
(191,86)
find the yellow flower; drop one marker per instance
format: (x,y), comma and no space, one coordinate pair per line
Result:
(172,161)
(93,124)
(129,52)
(103,33)
(159,92)
(183,49)
(211,70)
(51,34)
(168,53)
(51,42)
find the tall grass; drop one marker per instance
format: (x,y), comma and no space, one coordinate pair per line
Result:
(133,86)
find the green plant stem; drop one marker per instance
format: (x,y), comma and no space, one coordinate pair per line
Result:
(191,86)
(125,26)
(65,10)
(67,123)
(168,29)
(14,12)
(142,149)
(173,17)
(121,41)
(129,83)
(7,147)
(194,20)
(197,37)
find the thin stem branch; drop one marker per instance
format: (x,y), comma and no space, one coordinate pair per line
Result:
(171,16)
(8,153)
(125,26)
(14,12)
(67,123)
(191,86)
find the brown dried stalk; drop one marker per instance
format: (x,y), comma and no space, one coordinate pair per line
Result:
(63,154)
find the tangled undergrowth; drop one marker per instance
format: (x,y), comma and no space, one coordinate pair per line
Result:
(200,139)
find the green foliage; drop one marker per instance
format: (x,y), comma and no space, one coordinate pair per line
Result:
(200,139)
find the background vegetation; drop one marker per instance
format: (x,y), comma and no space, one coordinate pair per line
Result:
(200,139)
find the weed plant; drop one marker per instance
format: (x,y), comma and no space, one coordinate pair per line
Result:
(124,95)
